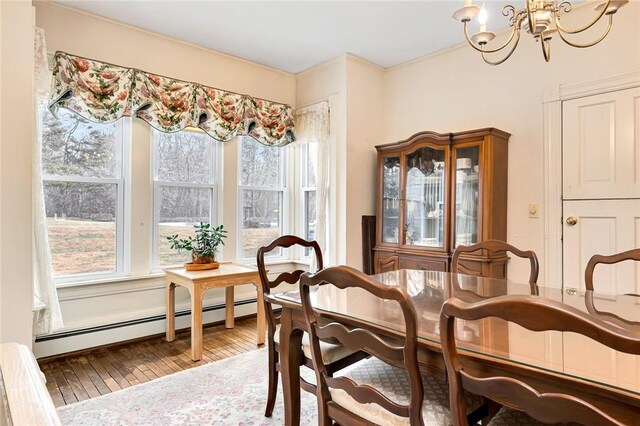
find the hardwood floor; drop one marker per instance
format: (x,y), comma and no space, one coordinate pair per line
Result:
(91,373)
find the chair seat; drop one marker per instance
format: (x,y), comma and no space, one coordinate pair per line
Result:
(330,352)
(394,384)
(509,417)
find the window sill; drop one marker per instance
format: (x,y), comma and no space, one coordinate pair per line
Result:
(158,274)
(114,280)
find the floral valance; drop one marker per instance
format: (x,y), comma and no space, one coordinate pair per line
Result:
(103,92)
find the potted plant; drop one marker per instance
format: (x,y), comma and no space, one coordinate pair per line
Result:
(203,247)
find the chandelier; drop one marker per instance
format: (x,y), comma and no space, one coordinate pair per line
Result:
(540,18)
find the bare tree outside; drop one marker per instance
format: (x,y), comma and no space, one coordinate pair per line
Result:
(182,161)
(262,195)
(81,209)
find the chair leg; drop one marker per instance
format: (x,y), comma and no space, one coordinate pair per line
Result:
(273,381)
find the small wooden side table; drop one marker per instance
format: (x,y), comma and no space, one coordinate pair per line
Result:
(198,282)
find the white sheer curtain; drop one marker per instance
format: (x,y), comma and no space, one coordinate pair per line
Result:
(312,125)
(48,317)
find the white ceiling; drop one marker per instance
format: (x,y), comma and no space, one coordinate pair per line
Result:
(294,36)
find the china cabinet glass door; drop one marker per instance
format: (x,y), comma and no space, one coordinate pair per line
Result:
(390,199)
(466,195)
(425,190)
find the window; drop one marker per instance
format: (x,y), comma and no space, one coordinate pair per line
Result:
(308,166)
(184,189)
(262,196)
(83,184)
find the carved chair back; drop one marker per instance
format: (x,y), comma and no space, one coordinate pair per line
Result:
(329,326)
(633,255)
(536,314)
(497,246)
(291,277)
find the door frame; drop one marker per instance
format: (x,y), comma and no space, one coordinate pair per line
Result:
(552,99)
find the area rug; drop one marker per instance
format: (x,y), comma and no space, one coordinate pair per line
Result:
(228,392)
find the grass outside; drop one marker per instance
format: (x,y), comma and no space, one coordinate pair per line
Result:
(84,246)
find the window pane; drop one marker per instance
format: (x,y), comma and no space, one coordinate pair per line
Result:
(81,221)
(310,214)
(180,209)
(260,164)
(73,146)
(185,156)
(310,218)
(311,161)
(262,220)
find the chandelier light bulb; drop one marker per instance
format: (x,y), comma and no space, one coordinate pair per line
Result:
(482,16)
(482,19)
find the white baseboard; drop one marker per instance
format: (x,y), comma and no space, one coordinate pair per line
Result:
(84,339)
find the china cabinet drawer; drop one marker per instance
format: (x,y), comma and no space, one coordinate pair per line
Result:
(424,263)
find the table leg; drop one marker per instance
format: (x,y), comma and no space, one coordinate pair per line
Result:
(290,344)
(171,311)
(196,324)
(229,307)
(262,321)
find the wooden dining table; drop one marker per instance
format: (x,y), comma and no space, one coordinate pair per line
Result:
(550,361)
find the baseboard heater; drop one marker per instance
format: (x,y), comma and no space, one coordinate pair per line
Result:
(136,321)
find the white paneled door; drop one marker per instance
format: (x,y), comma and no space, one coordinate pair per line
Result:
(601,146)
(601,187)
(601,227)
(601,215)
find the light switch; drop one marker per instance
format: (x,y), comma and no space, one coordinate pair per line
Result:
(533,211)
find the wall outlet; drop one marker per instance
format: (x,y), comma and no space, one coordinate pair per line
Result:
(534,211)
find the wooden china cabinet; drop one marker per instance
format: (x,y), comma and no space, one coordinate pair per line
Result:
(437,191)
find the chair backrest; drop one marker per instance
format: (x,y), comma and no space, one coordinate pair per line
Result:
(497,246)
(588,281)
(336,327)
(537,314)
(290,277)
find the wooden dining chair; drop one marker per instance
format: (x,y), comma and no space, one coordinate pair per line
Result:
(386,389)
(633,255)
(497,246)
(528,405)
(337,356)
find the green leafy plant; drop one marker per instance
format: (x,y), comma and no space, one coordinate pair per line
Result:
(204,246)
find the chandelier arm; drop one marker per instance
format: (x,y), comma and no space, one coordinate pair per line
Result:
(513,49)
(546,48)
(529,13)
(593,43)
(516,29)
(579,30)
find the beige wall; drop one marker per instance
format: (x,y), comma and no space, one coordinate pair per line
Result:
(355,90)
(16,137)
(365,120)
(455,91)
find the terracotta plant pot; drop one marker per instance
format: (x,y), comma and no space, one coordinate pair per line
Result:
(201,259)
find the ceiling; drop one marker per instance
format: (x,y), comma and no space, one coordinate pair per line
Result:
(294,36)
